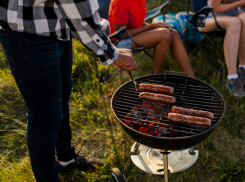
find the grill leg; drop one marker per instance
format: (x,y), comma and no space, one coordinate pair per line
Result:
(165,164)
(165,158)
(198,174)
(129,162)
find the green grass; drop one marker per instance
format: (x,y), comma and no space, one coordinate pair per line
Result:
(97,133)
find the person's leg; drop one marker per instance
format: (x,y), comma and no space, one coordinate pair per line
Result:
(160,39)
(37,72)
(180,55)
(241,17)
(232,25)
(65,151)
(241,67)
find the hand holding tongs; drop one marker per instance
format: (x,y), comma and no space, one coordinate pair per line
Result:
(136,84)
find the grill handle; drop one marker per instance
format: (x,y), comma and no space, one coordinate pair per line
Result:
(177,73)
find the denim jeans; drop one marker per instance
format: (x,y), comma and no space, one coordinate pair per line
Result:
(42,67)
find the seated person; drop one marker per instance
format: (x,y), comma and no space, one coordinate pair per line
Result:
(231,17)
(160,36)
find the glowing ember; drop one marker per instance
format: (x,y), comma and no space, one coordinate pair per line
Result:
(145,119)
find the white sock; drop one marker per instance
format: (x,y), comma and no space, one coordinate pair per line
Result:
(234,76)
(66,163)
(242,66)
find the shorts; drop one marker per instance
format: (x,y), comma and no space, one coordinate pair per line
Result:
(125,43)
(232,12)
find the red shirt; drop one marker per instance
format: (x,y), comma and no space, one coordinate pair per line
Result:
(129,12)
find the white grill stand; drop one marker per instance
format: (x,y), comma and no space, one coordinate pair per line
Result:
(158,163)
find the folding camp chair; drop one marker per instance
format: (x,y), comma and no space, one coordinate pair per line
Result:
(200,7)
(104,10)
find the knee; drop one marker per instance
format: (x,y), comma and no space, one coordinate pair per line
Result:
(234,24)
(242,19)
(175,34)
(166,35)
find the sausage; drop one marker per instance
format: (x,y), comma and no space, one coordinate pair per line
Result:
(157,97)
(194,120)
(156,88)
(192,112)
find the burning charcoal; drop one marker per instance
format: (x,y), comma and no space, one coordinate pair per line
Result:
(154,130)
(173,133)
(151,123)
(144,129)
(136,125)
(137,117)
(155,133)
(146,104)
(152,111)
(151,118)
(127,119)
(162,130)
(145,110)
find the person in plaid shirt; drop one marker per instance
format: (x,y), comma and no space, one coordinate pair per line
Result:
(37,42)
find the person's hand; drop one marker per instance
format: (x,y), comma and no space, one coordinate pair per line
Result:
(160,25)
(125,60)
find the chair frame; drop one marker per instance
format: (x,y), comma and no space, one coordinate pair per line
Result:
(205,10)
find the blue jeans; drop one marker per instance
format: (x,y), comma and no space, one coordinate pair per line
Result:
(42,67)
(125,43)
(232,12)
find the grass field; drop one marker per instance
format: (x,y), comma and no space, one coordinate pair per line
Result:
(97,133)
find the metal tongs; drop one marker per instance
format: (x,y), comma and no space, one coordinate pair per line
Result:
(135,83)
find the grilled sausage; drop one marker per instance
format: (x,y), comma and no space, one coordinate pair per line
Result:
(157,97)
(156,88)
(189,119)
(192,112)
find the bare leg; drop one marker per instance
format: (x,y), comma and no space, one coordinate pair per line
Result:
(180,54)
(241,16)
(232,25)
(160,39)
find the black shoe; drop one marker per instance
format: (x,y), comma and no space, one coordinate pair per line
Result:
(235,87)
(241,74)
(81,162)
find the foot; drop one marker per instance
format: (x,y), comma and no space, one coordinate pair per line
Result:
(81,162)
(241,74)
(235,87)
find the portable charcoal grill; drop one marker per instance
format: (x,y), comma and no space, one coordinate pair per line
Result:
(147,123)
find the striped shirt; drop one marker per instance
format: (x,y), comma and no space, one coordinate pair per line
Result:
(56,18)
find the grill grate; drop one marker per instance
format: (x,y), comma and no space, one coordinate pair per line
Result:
(189,93)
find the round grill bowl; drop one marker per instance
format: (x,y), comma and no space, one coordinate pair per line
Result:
(189,93)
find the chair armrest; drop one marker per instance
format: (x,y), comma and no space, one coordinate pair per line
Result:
(206,10)
(155,11)
(118,34)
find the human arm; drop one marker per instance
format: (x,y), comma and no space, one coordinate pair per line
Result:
(220,7)
(84,21)
(145,23)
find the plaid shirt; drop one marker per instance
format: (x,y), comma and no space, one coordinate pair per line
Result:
(57,18)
